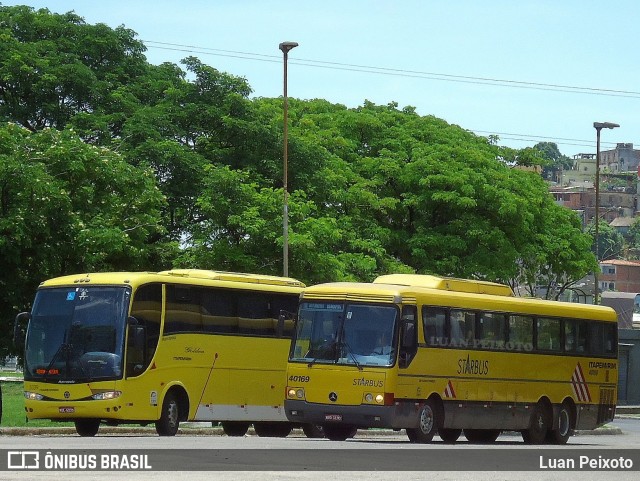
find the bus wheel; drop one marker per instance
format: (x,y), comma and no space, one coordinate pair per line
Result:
(313,431)
(449,435)
(87,427)
(481,436)
(169,422)
(538,426)
(235,428)
(272,430)
(565,425)
(427,424)
(338,432)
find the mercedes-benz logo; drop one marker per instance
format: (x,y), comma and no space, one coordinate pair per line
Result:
(67,394)
(333,397)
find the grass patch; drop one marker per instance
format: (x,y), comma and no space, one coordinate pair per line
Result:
(13,415)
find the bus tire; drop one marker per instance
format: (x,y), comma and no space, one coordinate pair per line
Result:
(449,435)
(481,436)
(272,429)
(564,421)
(538,425)
(313,431)
(338,432)
(235,429)
(169,420)
(427,424)
(87,428)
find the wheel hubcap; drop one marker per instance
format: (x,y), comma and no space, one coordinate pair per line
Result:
(426,420)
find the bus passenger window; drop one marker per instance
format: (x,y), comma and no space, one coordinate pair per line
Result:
(596,338)
(433,320)
(463,328)
(575,335)
(183,312)
(610,339)
(548,331)
(254,316)
(492,330)
(220,311)
(520,333)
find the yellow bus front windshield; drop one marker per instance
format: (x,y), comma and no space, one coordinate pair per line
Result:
(76,334)
(336,333)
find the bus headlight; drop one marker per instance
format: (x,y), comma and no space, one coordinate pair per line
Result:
(295,393)
(371,398)
(33,396)
(103,396)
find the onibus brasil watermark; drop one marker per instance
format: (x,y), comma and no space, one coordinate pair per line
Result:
(55,461)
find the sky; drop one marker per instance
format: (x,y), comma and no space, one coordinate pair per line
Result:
(528,71)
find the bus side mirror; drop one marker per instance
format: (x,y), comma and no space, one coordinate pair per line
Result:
(20,328)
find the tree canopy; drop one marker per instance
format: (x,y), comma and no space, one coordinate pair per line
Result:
(110,163)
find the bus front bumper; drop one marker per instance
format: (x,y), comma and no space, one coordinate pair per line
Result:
(396,416)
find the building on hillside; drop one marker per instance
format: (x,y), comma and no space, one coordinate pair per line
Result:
(583,172)
(613,204)
(622,224)
(624,158)
(619,275)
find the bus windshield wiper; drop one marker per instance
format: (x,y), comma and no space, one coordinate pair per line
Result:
(65,347)
(351,354)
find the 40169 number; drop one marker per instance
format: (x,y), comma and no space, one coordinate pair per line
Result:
(299,378)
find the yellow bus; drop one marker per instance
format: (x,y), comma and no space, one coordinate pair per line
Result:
(441,356)
(179,345)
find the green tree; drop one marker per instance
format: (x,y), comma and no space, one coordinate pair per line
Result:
(67,207)
(610,241)
(558,256)
(555,160)
(55,67)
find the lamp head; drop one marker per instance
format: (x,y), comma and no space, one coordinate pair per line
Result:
(286,46)
(605,125)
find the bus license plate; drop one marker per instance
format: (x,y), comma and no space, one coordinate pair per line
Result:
(333,417)
(66,410)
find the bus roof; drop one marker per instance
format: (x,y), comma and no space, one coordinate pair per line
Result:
(396,293)
(180,276)
(446,283)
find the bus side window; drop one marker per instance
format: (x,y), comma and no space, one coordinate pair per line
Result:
(602,338)
(457,327)
(434,321)
(570,335)
(408,335)
(548,331)
(219,311)
(146,308)
(575,335)
(183,313)
(611,339)
(492,330)
(520,333)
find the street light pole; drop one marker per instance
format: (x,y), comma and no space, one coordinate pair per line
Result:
(285,47)
(598,126)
